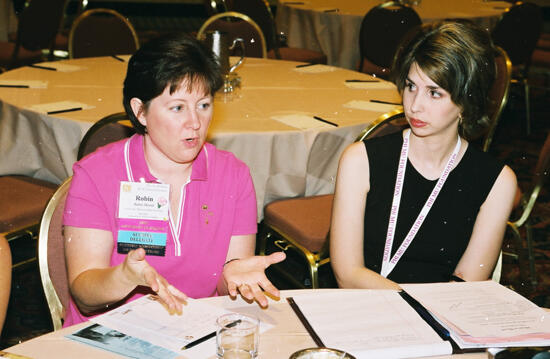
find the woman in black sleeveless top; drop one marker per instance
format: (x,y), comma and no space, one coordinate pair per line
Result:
(423,205)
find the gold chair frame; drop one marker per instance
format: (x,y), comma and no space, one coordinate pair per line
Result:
(318,259)
(238,15)
(57,310)
(527,203)
(91,12)
(496,115)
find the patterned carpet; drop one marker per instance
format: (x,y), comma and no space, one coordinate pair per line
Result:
(28,314)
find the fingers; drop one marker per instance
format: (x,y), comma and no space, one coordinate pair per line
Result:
(274,258)
(232,288)
(167,292)
(270,288)
(137,254)
(177,293)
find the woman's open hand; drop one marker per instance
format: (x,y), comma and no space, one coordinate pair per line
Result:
(247,277)
(140,272)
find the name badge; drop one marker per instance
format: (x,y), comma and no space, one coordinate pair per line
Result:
(143,217)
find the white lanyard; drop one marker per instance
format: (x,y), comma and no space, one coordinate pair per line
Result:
(387,264)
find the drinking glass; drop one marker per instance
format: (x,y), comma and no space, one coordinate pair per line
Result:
(237,336)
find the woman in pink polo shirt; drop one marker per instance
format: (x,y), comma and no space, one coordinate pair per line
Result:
(163,212)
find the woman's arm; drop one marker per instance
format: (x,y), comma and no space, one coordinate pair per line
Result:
(245,272)
(95,284)
(348,212)
(5,278)
(480,257)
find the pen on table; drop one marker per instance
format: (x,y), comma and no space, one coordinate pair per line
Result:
(357,80)
(117,58)
(15,86)
(325,121)
(304,65)
(331,10)
(305,322)
(43,67)
(386,102)
(66,110)
(208,336)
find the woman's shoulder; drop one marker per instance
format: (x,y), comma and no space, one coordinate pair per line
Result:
(476,158)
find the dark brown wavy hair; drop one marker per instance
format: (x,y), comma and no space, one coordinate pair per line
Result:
(459,57)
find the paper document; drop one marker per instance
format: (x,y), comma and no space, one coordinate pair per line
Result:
(371,324)
(60,107)
(147,319)
(481,314)
(117,342)
(303,122)
(314,69)
(370,106)
(33,84)
(378,85)
(61,66)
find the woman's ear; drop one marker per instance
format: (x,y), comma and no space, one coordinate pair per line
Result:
(139,110)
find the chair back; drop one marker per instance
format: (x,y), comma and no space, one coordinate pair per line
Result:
(107,130)
(498,95)
(260,12)
(518,30)
(101,32)
(38,25)
(51,256)
(237,25)
(386,124)
(382,29)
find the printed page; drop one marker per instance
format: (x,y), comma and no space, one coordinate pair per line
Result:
(371,323)
(112,340)
(147,319)
(485,311)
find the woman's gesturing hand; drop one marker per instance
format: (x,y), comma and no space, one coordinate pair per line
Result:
(247,277)
(140,272)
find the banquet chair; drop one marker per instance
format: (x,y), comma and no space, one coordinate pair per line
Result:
(51,256)
(237,25)
(38,25)
(302,224)
(498,94)
(260,12)
(517,32)
(101,32)
(521,221)
(23,201)
(382,29)
(109,129)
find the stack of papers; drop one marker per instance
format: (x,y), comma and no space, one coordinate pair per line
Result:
(484,314)
(426,319)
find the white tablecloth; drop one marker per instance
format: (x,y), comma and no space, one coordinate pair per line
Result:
(316,25)
(267,123)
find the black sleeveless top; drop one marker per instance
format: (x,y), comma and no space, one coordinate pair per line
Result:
(443,237)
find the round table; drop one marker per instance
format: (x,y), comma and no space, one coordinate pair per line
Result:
(268,123)
(332,26)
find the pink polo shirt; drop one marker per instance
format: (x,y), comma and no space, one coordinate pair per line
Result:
(218,202)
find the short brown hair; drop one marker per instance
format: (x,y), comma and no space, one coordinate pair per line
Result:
(459,57)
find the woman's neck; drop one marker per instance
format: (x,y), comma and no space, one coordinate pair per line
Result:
(163,168)
(430,154)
